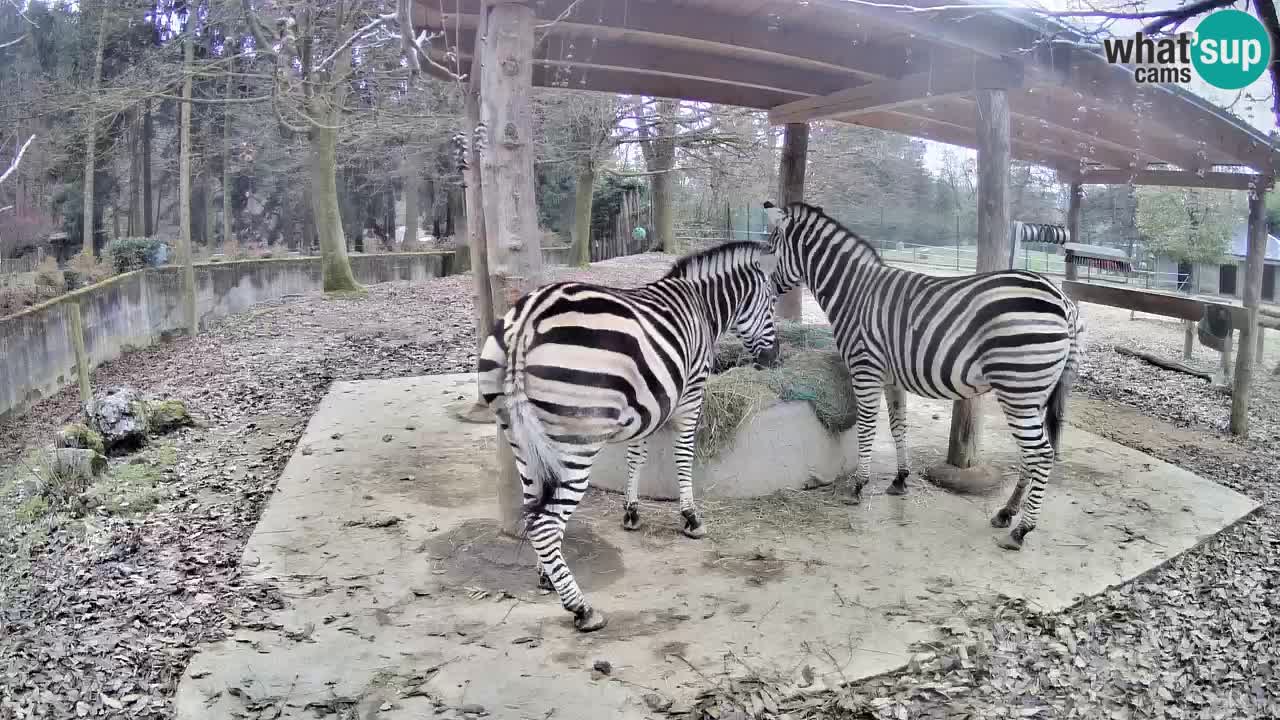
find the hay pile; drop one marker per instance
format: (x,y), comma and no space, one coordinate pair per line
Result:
(810,369)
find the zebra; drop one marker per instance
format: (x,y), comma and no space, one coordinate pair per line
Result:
(573,366)
(1010,331)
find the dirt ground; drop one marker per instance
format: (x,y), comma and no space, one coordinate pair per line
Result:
(99,616)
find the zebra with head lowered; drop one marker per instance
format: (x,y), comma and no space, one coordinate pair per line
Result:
(1009,332)
(574,366)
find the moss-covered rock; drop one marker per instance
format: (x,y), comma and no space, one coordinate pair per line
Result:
(80,436)
(120,415)
(167,415)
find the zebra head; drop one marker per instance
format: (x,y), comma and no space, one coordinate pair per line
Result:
(784,241)
(754,321)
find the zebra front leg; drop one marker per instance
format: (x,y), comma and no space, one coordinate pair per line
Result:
(637,454)
(1033,472)
(545,528)
(867,395)
(895,398)
(685,427)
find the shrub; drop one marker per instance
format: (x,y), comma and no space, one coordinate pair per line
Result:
(87,270)
(49,278)
(134,253)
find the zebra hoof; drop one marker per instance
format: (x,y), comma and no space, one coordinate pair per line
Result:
(853,498)
(590,620)
(544,582)
(899,485)
(693,527)
(1012,541)
(1002,518)
(631,519)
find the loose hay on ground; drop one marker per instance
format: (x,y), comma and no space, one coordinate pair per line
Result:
(809,369)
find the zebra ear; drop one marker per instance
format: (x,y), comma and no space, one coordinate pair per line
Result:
(767,262)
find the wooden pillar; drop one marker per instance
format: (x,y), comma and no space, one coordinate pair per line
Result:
(791,169)
(1252,299)
(1188,339)
(1262,337)
(506,171)
(1074,198)
(993,248)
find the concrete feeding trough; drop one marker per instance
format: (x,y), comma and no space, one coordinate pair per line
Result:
(780,447)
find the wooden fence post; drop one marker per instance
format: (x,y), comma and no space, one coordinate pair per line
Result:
(1252,297)
(75,330)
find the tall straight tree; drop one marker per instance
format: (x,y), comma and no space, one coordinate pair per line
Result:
(91,129)
(184,183)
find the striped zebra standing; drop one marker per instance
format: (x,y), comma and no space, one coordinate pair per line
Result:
(1010,332)
(573,366)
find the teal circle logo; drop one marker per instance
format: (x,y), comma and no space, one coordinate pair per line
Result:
(1232,49)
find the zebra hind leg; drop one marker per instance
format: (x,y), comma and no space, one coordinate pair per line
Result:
(637,454)
(685,426)
(545,528)
(1033,476)
(895,398)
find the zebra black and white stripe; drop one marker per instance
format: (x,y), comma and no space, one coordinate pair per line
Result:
(574,366)
(1010,332)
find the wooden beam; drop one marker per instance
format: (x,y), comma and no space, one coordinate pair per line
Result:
(506,168)
(1083,118)
(562,51)
(667,25)
(992,122)
(1074,200)
(1179,113)
(630,82)
(1176,178)
(953,134)
(935,84)
(1254,261)
(791,171)
(1147,301)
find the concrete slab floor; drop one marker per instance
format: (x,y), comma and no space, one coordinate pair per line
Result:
(401,594)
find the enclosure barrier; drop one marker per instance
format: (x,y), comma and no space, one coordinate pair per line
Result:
(140,308)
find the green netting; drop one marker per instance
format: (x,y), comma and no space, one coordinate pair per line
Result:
(810,369)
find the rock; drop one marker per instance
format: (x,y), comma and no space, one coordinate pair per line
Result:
(80,436)
(603,666)
(168,415)
(76,468)
(119,415)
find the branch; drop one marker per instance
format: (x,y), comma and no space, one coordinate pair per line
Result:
(359,34)
(260,42)
(12,42)
(17,159)
(1176,17)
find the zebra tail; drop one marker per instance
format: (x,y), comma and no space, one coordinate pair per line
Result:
(541,461)
(1056,411)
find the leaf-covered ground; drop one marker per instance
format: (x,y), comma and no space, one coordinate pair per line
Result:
(99,617)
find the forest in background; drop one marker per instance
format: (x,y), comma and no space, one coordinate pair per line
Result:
(330,134)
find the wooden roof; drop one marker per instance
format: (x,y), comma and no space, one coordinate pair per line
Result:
(884,67)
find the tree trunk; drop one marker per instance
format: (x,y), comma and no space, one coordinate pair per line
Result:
(325,211)
(184,192)
(510,206)
(326,108)
(228,202)
(148,222)
(91,136)
(791,169)
(412,172)
(659,148)
(993,248)
(209,220)
(664,222)
(586,181)
(135,173)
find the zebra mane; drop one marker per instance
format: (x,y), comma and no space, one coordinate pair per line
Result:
(844,229)
(689,265)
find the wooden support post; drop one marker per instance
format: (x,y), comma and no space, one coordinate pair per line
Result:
(75,332)
(1254,261)
(506,170)
(993,252)
(1224,368)
(1074,199)
(795,151)
(1262,337)
(1188,339)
